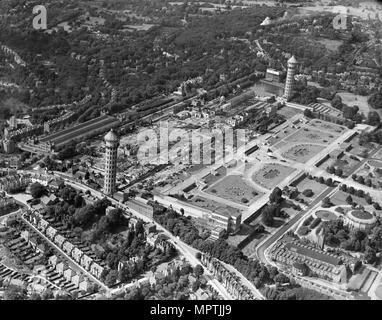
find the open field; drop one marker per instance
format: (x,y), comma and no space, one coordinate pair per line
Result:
(331,45)
(235,189)
(302,152)
(289,112)
(352,99)
(339,199)
(13,105)
(309,135)
(325,215)
(313,185)
(270,175)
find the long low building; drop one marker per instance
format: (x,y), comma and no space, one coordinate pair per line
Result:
(303,259)
(221,218)
(79,132)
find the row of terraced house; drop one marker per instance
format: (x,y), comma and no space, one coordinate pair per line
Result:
(70,249)
(229,279)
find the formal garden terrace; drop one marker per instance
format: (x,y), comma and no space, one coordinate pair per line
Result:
(271,175)
(328,127)
(310,135)
(236,189)
(302,153)
(299,140)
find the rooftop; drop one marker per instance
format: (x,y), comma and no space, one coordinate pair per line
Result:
(111,136)
(292,60)
(313,254)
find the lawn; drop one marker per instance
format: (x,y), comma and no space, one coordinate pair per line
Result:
(315,186)
(326,215)
(303,152)
(270,175)
(235,189)
(289,112)
(363,215)
(331,45)
(356,100)
(339,199)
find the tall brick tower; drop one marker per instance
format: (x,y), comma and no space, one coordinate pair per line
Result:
(289,83)
(112,143)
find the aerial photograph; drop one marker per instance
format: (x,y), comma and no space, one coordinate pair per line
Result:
(209,151)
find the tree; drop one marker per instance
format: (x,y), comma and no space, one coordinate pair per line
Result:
(360,193)
(370,255)
(330,169)
(198,270)
(47,295)
(35,296)
(276,195)
(308,113)
(326,203)
(337,102)
(344,187)
(349,199)
(373,118)
(196,285)
(37,190)
(361,179)
(15,293)
(339,172)
(308,193)
(111,278)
